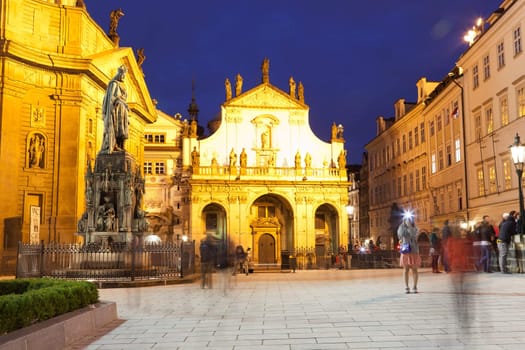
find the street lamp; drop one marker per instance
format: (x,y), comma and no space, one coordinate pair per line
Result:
(517,151)
(350,212)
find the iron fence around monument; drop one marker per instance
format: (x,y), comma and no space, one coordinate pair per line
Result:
(103,262)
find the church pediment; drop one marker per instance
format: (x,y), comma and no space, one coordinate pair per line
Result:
(139,99)
(263,96)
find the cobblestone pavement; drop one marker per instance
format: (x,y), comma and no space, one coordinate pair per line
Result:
(326,309)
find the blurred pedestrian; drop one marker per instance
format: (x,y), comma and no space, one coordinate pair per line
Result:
(507,230)
(207,251)
(446,233)
(486,234)
(239,262)
(435,250)
(409,260)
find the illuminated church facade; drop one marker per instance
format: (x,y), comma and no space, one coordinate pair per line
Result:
(264,180)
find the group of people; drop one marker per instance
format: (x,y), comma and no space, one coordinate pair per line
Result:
(208,258)
(457,252)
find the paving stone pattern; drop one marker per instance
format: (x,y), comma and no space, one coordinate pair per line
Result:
(325,309)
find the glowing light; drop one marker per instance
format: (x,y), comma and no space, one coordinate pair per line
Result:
(470,37)
(152,239)
(476,30)
(408,214)
(479,22)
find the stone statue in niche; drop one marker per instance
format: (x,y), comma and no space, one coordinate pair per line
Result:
(139,192)
(82,223)
(115,112)
(105,216)
(89,193)
(265,139)
(37,147)
(142,222)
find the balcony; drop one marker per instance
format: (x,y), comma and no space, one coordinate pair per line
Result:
(269,173)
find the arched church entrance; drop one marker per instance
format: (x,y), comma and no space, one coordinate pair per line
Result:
(266,249)
(271,228)
(326,234)
(214,217)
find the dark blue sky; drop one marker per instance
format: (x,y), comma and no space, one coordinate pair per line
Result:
(355,58)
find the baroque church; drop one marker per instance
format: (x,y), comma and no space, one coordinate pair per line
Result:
(262,179)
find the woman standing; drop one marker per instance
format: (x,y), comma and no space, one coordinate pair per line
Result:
(409,260)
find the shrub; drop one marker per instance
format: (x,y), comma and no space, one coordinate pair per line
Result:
(27,301)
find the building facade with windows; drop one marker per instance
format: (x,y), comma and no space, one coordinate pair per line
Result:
(494,88)
(447,181)
(461,169)
(398,173)
(166,197)
(56,63)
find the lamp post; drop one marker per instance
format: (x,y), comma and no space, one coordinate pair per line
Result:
(517,151)
(350,212)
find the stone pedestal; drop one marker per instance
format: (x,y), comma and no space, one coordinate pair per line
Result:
(114,196)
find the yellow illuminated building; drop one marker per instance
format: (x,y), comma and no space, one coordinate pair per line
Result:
(263,180)
(56,63)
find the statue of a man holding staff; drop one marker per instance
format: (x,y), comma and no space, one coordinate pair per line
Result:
(115,113)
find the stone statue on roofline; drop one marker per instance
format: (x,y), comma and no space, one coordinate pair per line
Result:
(114,18)
(265,68)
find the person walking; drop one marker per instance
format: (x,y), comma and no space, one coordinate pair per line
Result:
(239,261)
(446,233)
(435,251)
(207,252)
(409,260)
(486,236)
(507,229)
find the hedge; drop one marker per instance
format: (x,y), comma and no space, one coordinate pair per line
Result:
(24,302)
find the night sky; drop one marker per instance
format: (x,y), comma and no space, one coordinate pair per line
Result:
(354,58)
